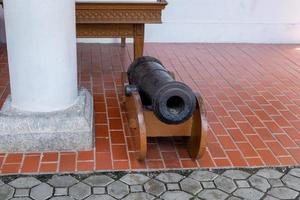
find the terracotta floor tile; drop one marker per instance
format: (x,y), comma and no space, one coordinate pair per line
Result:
(296,154)
(121,165)
(119,152)
(285,141)
(218,129)
(257,162)
(277,149)
(48,167)
(102,145)
(166,144)
(85,155)
(273,127)
(30,164)
(50,157)
(222,162)
(237,116)
(256,142)
(67,162)
(13,158)
(216,150)
(265,134)
(100,118)
(227,143)
(236,158)
(85,166)
(153,151)
(99,107)
(115,124)
(10,168)
(206,160)
(171,160)
(155,164)
(237,135)
(101,130)
(117,137)
(103,161)
(268,157)
(189,163)
(252,122)
(246,128)
(247,150)
(136,164)
(114,113)
(286,161)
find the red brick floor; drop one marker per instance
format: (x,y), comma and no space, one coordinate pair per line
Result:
(252,95)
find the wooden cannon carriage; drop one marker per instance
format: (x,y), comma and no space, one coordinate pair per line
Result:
(143,123)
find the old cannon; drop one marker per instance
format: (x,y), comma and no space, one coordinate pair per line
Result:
(172,102)
(159,106)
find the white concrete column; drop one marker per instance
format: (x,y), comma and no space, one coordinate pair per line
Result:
(41,42)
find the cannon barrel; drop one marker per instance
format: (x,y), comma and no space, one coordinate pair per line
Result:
(172,102)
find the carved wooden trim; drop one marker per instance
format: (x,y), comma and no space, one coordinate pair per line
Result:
(119,16)
(105,30)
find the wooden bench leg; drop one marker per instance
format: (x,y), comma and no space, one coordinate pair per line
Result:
(123,42)
(139,40)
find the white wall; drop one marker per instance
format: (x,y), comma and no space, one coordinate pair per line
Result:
(257,21)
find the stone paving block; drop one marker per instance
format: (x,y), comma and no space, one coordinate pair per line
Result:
(98,180)
(118,189)
(21,198)
(139,196)
(41,192)
(100,197)
(292,182)
(259,182)
(99,190)
(22,192)
(176,195)
(80,191)
(6,192)
(234,198)
(62,198)
(134,179)
(225,184)
(60,191)
(190,185)
(242,183)
(62,181)
(269,173)
(268,197)
(169,177)
(136,188)
(283,193)
(275,182)
(236,174)
(202,175)
(1,183)
(248,193)
(210,194)
(208,185)
(24,182)
(155,187)
(295,172)
(173,186)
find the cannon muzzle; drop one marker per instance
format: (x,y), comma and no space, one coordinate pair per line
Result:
(172,102)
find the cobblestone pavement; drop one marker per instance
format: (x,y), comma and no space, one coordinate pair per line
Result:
(264,183)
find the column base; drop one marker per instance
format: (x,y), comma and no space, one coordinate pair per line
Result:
(66,130)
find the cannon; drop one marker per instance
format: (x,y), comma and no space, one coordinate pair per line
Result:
(172,102)
(159,106)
